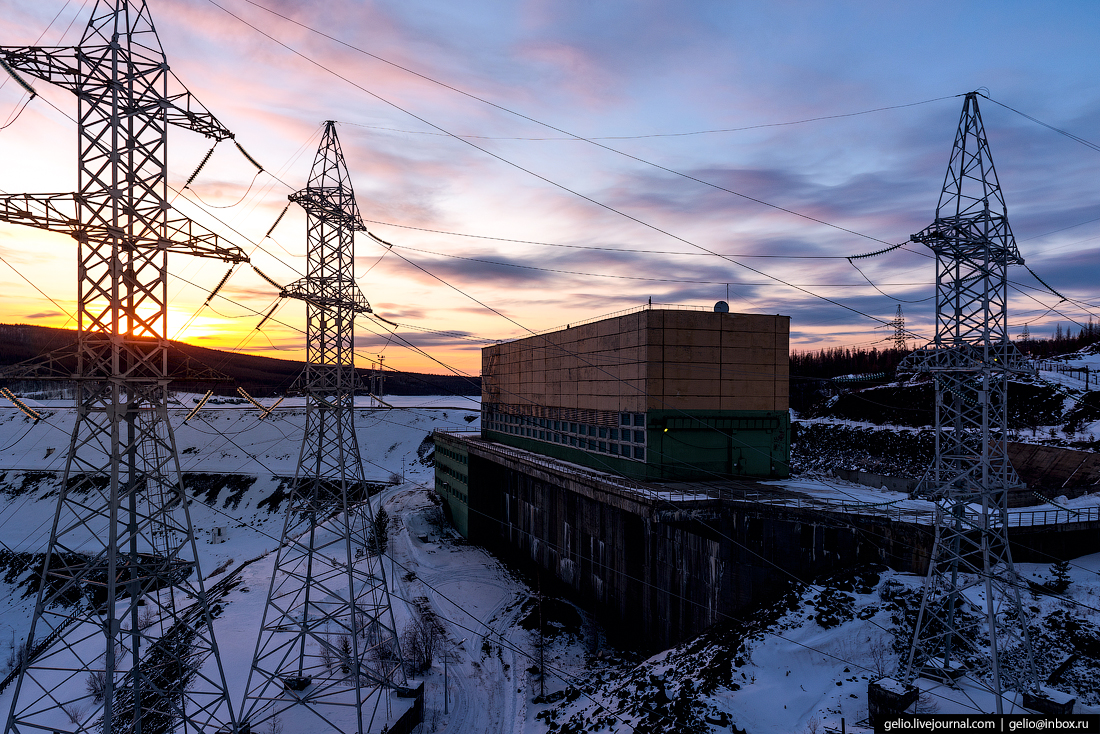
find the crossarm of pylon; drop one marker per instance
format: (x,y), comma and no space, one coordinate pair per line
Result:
(190,238)
(322,205)
(58,213)
(328,293)
(53,212)
(187,112)
(965,358)
(953,235)
(56,365)
(54,64)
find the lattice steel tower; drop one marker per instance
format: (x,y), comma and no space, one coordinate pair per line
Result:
(328,651)
(121,638)
(971,599)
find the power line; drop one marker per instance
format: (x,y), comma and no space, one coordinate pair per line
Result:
(1076,138)
(604,249)
(625,277)
(587,138)
(591,200)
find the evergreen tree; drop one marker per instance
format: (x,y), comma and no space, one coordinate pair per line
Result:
(1061,580)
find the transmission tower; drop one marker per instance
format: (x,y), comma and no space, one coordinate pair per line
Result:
(899,330)
(898,325)
(121,638)
(328,651)
(970,606)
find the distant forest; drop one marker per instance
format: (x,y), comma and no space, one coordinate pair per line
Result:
(260,376)
(837,361)
(1063,342)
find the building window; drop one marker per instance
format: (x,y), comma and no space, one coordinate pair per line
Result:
(624,419)
(639,453)
(639,436)
(603,432)
(639,419)
(614,448)
(603,446)
(614,434)
(572,440)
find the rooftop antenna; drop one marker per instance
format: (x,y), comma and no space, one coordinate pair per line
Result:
(970,361)
(328,644)
(122,624)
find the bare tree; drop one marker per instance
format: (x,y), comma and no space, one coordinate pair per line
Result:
(881,656)
(419,640)
(75,713)
(96,684)
(146,619)
(326,649)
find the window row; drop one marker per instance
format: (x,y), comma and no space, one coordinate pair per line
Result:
(446,488)
(452,473)
(453,455)
(625,442)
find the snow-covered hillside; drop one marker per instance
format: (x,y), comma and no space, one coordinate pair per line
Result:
(799,665)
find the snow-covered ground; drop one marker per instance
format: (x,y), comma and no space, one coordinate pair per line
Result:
(798,666)
(232,439)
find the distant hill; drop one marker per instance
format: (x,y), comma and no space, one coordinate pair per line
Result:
(260,376)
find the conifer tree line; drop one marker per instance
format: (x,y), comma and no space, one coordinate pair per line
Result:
(837,361)
(1063,341)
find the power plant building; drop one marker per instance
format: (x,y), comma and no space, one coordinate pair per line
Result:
(622,458)
(654,394)
(661,394)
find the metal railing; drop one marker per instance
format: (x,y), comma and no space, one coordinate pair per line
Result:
(624,312)
(1085,374)
(654,494)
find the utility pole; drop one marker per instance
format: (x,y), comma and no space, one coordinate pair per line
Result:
(323,603)
(447,659)
(121,605)
(381,375)
(542,644)
(969,480)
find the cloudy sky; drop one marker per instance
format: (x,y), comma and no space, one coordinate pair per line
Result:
(709,129)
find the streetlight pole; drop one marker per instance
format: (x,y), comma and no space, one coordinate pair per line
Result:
(446,658)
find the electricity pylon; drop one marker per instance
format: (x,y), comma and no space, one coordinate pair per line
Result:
(899,330)
(121,638)
(970,605)
(327,651)
(898,325)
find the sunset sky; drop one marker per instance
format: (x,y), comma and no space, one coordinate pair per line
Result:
(467,160)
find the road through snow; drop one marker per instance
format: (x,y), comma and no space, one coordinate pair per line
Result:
(478,601)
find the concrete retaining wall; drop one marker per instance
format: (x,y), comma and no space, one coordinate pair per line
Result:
(1050,468)
(661,576)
